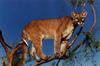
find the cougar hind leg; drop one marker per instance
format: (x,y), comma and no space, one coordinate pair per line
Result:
(34,54)
(26,38)
(38,46)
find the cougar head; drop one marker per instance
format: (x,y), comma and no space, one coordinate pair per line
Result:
(79,18)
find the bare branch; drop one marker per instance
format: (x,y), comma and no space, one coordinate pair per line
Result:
(3,43)
(94,14)
(80,43)
(2,40)
(50,59)
(24,55)
(11,54)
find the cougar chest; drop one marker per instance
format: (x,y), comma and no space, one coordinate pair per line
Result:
(68,31)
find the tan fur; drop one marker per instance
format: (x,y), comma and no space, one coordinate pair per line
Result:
(50,28)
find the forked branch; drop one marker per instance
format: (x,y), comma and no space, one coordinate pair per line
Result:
(10,55)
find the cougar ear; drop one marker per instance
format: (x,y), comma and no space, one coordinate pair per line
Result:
(73,14)
(84,14)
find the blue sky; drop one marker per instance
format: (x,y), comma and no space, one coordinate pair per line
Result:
(15,14)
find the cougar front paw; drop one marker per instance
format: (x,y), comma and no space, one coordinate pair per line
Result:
(45,58)
(63,54)
(56,55)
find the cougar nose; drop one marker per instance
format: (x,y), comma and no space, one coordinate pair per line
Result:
(81,23)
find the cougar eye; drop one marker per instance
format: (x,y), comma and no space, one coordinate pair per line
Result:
(82,19)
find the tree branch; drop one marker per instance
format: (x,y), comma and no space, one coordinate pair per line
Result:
(94,14)
(24,55)
(80,43)
(50,59)
(3,43)
(2,40)
(10,55)
(72,42)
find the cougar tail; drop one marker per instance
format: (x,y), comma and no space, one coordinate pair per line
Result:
(25,38)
